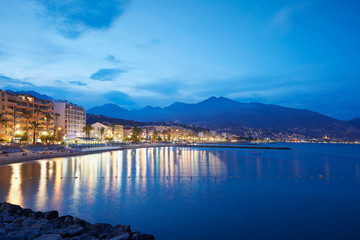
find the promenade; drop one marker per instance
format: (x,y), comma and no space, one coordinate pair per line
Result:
(42,153)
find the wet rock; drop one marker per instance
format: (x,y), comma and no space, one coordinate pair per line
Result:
(35,215)
(124,236)
(8,218)
(24,212)
(119,229)
(42,224)
(12,228)
(17,223)
(79,222)
(19,220)
(11,208)
(50,214)
(28,233)
(136,236)
(102,227)
(147,237)
(103,236)
(62,218)
(49,237)
(10,238)
(86,236)
(4,214)
(68,221)
(28,222)
(71,231)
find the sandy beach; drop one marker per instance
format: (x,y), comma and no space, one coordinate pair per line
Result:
(18,157)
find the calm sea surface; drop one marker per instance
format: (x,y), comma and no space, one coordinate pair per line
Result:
(201,193)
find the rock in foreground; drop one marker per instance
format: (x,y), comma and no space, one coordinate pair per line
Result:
(18,223)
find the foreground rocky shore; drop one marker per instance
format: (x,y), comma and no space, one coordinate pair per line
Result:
(18,223)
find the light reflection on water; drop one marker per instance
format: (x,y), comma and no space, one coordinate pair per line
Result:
(167,191)
(130,169)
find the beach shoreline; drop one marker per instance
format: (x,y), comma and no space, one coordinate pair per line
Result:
(20,157)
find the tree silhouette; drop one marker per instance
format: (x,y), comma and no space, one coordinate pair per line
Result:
(3,120)
(35,126)
(87,129)
(102,130)
(27,114)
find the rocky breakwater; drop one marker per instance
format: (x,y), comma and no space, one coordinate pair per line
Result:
(18,223)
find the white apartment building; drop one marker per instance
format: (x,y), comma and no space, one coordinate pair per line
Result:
(72,119)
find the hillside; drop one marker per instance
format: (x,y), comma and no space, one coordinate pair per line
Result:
(355,122)
(224,113)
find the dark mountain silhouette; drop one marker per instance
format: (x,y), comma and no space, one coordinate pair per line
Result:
(355,122)
(110,110)
(34,94)
(220,113)
(93,118)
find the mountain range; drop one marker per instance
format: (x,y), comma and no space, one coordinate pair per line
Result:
(355,122)
(34,94)
(228,115)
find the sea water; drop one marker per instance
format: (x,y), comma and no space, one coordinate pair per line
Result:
(309,192)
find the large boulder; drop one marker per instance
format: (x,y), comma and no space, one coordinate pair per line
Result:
(11,208)
(28,222)
(49,237)
(50,214)
(119,229)
(71,231)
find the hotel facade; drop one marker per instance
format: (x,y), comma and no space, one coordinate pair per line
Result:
(71,119)
(20,110)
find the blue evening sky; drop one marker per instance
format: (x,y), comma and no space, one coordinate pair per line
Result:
(302,54)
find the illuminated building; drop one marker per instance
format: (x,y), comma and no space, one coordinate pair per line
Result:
(72,119)
(117,133)
(20,110)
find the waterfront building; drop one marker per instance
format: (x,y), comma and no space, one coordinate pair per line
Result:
(20,110)
(119,132)
(71,119)
(127,132)
(111,132)
(96,131)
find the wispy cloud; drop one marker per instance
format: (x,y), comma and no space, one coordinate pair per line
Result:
(282,21)
(8,83)
(106,74)
(112,59)
(167,87)
(78,83)
(72,18)
(120,98)
(14,84)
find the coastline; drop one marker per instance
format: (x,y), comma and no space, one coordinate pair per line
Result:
(33,156)
(23,223)
(19,157)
